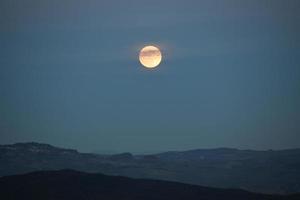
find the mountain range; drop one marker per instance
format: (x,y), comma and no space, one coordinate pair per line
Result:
(273,172)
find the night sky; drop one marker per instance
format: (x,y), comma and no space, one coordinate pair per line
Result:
(230,75)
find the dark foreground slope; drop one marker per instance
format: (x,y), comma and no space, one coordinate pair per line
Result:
(256,171)
(73,185)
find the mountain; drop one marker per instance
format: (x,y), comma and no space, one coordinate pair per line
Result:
(74,185)
(256,171)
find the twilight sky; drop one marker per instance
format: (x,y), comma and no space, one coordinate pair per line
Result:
(230,75)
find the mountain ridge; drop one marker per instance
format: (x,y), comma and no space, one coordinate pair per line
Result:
(257,171)
(172,151)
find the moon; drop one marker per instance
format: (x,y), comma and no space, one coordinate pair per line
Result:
(150,56)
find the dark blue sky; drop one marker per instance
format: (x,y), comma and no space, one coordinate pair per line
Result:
(230,76)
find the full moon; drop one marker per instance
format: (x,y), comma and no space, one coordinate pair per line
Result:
(150,56)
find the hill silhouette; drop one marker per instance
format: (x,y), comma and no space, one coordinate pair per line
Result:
(256,171)
(74,185)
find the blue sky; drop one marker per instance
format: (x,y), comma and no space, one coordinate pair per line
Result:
(230,76)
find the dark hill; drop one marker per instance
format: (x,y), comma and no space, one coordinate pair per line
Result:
(256,171)
(73,185)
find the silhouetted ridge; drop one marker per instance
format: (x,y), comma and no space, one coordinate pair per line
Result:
(257,171)
(74,185)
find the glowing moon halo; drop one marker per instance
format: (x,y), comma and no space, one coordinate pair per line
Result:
(150,56)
